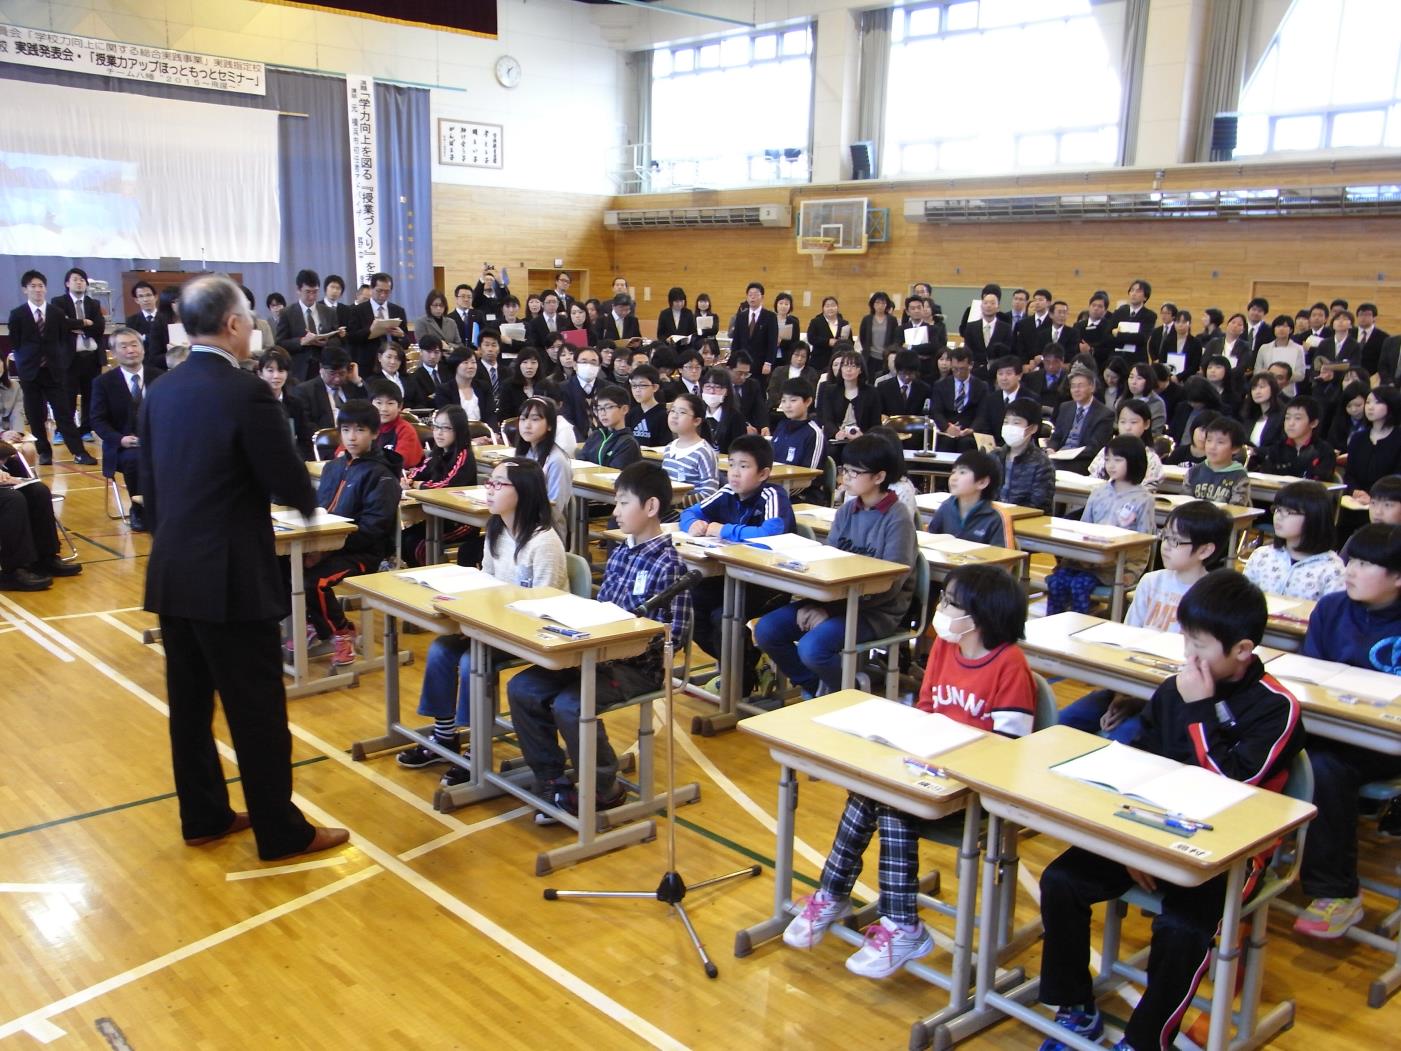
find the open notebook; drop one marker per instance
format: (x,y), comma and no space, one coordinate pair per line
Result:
(1176,788)
(572,611)
(1342,678)
(900,726)
(452,580)
(319,517)
(1167,645)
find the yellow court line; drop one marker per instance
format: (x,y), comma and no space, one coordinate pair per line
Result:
(605,1004)
(462,833)
(130,632)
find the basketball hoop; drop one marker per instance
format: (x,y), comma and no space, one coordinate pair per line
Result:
(817,247)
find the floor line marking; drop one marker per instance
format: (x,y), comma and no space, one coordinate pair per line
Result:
(462,833)
(605,1004)
(283,870)
(44,1031)
(82,996)
(129,632)
(27,630)
(93,613)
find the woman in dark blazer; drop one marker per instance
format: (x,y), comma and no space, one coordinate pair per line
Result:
(704,310)
(467,376)
(1182,342)
(676,319)
(892,337)
(1376,451)
(783,307)
(274,367)
(527,380)
(1262,411)
(1198,395)
(852,400)
(824,330)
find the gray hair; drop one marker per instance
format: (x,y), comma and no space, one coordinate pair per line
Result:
(120,331)
(206,303)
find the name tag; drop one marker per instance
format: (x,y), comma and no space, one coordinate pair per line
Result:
(639,583)
(792,452)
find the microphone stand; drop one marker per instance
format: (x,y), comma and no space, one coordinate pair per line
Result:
(672,889)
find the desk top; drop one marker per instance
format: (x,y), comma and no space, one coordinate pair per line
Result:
(821,525)
(1068,531)
(467,498)
(834,572)
(782,472)
(794,731)
(284,532)
(1260,483)
(931,502)
(486,611)
(404,598)
(1018,772)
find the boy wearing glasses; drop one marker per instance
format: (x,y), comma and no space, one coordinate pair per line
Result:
(611,444)
(646,415)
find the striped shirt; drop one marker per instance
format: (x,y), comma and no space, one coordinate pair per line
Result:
(696,466)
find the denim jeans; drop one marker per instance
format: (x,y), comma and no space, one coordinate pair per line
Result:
(811,660)
(1085,714)
(447,679)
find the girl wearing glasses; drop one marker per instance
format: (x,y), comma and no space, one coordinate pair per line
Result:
(450,463)
(1301,563)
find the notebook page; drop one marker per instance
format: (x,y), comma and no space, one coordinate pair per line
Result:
(901,726)
(572,611)
(1193,792)
(1167,645)
(452,580)
(319,517)
(1116,767)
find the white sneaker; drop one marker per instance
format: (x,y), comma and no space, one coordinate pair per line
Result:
(819,912)
(888,948)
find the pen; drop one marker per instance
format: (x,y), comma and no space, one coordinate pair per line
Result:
(1149,662)
(1169,820)
(916,766)
(568,633)
(797,567)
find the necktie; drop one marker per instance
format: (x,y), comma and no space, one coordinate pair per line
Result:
(753,320)
(39,319)
(135,392)
(960,399)
(495,386)
(311,321)
(904,392)
(1073,438)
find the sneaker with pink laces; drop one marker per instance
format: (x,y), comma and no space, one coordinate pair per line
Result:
(343,647)
(820,911)
(889,946)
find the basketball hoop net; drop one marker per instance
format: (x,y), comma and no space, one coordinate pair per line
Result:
(817,247)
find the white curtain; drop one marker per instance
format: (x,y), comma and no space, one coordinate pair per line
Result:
(108,175)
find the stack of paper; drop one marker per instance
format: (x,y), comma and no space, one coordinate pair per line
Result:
(900,726)
(1164,644)
(452,580)
(822,514)
(785,543)
(948,543)
(1191,791)
(513,333)
(1341,678)
(1090,529)
(1066,453)
(319,517)
(571,611)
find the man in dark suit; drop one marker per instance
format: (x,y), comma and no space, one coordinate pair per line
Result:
(1082,423)
(1009,384)
(753,403)
(1258,328)
(214,579)
(980,333)
(306,326)
(424,382)
(1370,338)
(902,392)
(332,387)
(955,401)
(40,333)
(755,330)
(116,400)
(144,320)
(1062,333)
(562,283)
(87,340)
(1052,376)
(1093,335)
(374,323)
(618,323)
(1133,315)
(551,319)
(1033,331)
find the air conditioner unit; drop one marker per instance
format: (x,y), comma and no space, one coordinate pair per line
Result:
(779,215)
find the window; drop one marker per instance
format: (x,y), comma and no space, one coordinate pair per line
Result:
(975,86)
(733,111)
(1331,78)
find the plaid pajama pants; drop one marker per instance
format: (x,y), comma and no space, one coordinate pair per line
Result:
(899,856)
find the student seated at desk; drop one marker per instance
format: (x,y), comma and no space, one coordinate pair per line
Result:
(1028,475)
(449,464)
(1195,540)
(1385,505)
(968,512)
(358,484)
(523,549)
(1192,450)
(976,675)
(798,440)
(898,480)
(1222,712)
(1134,419)
(1122,501)
(747,507)
(1221,477)
(690,458)
(646,415)
(612,443)
(537,439)
(545,703)
(1300,563)
(397,438)
(804,639)
(1301,451)
(1360,626)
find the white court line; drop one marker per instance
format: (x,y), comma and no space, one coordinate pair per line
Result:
(66,889)
(605,1004)
(282,870)
(94,613)
(748,805)
(44,1031)
(463,833)
(24,1023)
(33,636)
(129,631)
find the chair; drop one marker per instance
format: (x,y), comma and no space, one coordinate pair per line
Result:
(58,501)
(1163,446)
(1382,793)
(909,631)
(803,531)
(580,575)
(1250,1030)
(324,443)
(510,430)
(478,429)
(829,477)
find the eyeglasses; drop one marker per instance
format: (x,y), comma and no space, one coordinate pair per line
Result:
(604,406)
(441,426)
(851,472)
(1168,540)
(715,388)
(491,485)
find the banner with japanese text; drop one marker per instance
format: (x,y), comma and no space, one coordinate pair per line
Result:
(364,204)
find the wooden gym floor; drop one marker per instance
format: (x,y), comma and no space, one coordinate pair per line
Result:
(429,930)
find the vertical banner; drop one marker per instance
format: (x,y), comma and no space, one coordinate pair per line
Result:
(364,206)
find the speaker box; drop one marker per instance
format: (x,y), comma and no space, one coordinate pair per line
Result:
(863,159)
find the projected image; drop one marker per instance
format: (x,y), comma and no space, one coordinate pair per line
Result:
(58,201)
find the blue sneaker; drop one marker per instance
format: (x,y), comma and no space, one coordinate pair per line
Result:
(1122,1045)
(1089,1024)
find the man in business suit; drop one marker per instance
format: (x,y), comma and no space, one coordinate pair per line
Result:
(955,401)
(144,320)
(541,329)
(306,326)
(1093,335)
(335,308)
(214,579)
(374,323)
(618,323)
(982,332)
(335,384)
(424,382)
(43,352)
(86,337)
(755,331)
(901,392)
(1135,315)
(1258,328)
(1009,384)
(1370,338)
(1083,423)
(116,399)
(1033,331)
(1052,376)
(562,283)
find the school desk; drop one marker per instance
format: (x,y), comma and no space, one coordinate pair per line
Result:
(465,505)
(1064,538)
(295,542)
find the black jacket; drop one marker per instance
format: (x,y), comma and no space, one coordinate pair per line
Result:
(366,490)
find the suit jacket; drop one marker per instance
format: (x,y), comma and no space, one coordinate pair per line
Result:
(1387,364)
(994,407)
(752,404)
(207,501)
(144,326)
(421,387)
(1097,338)
(820,338)
(1191,351)
(300,425)
(1133,345)
(762,347)
(32,348)
(668,326)
(606,328)
(1095,432)
(1264,333)
(943,401)
(1052,394)
(92,312)
(357,335)
(973,339)
(1244,352)
(1028,337)
(112,417)
(291,327)
(481,387)
(1372,348)
(313,394)
(537,329)
(893,403)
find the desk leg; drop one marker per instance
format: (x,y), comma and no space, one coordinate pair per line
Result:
(1223,981)
(580,544)
(480,742)
(1121,584)
(853,604)
(298,614)
(730,657)
(392,737)
(747,939)
(434,536)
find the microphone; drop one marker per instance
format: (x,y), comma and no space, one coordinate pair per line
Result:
(661,598)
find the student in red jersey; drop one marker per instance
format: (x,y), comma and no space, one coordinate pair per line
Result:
(449,464)
(976,675)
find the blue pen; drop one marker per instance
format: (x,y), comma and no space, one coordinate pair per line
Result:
(919,767)
(1174,821)
(568,633)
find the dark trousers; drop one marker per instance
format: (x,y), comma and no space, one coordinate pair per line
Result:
(1178,954)
(85,368)
(323,609)
(128,464)
(708,601)
(27,530)
(44,392)
(1330,852)
(243,662)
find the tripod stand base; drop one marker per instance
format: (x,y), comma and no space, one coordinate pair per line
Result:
(670,891)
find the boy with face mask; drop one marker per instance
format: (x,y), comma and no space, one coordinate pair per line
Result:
(1028,475)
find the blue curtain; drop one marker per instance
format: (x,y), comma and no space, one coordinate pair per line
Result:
(314,161)
(405,170)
